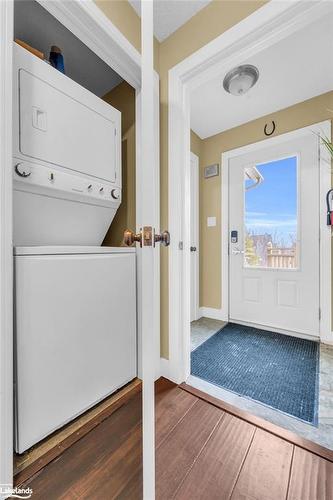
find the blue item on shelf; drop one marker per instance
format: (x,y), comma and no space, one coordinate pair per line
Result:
(57,59)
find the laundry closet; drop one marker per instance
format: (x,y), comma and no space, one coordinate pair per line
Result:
(74,189)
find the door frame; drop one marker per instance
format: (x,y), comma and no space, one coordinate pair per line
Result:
(267,25)
(86,21)
(195,209)
(324,236)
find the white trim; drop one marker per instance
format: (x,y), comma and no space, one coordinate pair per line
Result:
(157,256)
(328,343)
(6,254)
(325,249)
(165,369)
(267,25)
(194,200)
(211,312)
(325,231)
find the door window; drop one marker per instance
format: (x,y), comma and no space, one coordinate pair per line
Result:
(270,215)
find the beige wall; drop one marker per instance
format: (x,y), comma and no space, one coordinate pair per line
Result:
(196,144)
(294,117)
(122,98)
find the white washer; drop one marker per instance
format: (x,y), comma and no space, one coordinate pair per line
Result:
(75,333)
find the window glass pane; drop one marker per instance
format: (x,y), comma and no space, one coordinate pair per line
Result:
(271,214)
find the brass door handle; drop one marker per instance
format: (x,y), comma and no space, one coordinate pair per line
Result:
(146,237)
(163,238)
(130,237)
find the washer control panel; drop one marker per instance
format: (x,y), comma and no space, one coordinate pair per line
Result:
(40,176)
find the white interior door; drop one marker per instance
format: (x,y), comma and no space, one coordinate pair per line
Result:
(194,237)
(274,236)
(149,255)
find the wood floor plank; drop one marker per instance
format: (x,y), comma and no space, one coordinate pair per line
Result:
(265,473)
(177,454)
(285,434)
(111,477)
(35,459)
(221,461)
(311,477)
(134,488)
(170,409)
(62,476)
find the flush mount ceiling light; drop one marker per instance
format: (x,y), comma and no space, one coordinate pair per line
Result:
(239,80)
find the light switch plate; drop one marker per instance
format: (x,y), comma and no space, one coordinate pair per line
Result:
(211,221)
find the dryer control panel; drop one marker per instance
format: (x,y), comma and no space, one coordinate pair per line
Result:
(30,176)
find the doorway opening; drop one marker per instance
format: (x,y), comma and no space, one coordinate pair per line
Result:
(272,264)
(265,321)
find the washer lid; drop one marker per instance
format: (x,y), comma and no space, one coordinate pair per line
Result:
(71,250)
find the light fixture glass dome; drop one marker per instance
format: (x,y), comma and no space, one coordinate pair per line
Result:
(239,80)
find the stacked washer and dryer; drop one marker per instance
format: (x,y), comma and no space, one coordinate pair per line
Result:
(75,301)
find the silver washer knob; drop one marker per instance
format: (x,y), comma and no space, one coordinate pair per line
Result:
(22,171)
(115,194)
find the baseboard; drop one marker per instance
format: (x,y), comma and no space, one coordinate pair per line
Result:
(326,341)
(211,312)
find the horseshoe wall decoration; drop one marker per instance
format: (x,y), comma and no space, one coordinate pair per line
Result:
(272,131)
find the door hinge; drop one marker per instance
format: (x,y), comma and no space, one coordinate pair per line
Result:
(180,245)
(319,313)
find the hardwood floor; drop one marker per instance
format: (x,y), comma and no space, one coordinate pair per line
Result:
(104,464)
(37,457)
(203,451)
(213,452)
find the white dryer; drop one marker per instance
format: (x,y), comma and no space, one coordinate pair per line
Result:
(67,157)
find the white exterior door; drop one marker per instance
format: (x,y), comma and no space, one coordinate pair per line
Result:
(194,237)
(274,235)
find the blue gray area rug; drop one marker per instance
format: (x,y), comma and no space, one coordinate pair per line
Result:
(277,370)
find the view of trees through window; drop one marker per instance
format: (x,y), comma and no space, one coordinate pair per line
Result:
(271,216)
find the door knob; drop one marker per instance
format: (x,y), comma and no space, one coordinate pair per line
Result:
(147,236)
(130,237)
(193,249)
(163,238)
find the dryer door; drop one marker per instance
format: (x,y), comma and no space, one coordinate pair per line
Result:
(61,123)
(57,129)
